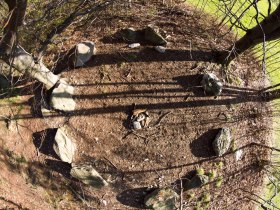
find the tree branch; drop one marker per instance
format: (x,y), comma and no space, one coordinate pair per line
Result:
(68,21)
(17,10)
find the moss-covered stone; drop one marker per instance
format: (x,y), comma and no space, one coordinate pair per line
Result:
(162,199)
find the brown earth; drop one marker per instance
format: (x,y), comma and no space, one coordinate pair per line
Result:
(178,141)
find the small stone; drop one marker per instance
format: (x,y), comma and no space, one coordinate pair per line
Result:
(222,142)
(63,146)
(136,125)
(211,84)
(160,49)
(162,199)
(197,181)
(134,45)
(104,202)
(88,175)
(12,124)
(140,119)
(238,154)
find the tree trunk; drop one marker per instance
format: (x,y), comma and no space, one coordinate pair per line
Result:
(268,28)
(24,62)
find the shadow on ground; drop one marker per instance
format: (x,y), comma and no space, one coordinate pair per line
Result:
(44,141)
(134,197)
(202,146)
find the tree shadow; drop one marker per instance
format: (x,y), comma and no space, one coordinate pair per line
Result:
(148,54)
(16,86)
(202,146)
(44,141)
(134,197)
(191,83)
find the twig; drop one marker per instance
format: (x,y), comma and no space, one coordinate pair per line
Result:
(181,194)
(161,118)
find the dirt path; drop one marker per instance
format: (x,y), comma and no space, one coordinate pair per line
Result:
(178,141)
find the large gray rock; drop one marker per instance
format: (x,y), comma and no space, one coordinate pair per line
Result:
(162,199)
(83,52)
(197,181)
(211,84)
(222,141)
(152,34)
(63,146)
(88,175)
(129,34)
(61,97)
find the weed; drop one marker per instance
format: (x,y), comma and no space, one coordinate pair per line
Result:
(200,171)
(206,198)
(219,165)
(233,145)
(212,174)
(219,181)
(190,195)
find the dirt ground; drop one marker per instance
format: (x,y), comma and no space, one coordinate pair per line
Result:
(178,140)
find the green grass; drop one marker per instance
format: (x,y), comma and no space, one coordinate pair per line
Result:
(272,49)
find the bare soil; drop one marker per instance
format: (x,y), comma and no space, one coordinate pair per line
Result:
(178,140)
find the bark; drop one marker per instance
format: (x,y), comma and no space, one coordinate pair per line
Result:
(270,26)
(14,55)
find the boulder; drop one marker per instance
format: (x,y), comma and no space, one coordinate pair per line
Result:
(129,34)
(197,181)
(162,199)
(61,97)
(83,52)
(222,142)
(152,35)
(63,146)
(88,175)
(211,84)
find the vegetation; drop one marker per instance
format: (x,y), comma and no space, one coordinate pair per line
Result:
(39,25)
(241,16)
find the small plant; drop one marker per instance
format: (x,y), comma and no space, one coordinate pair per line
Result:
(212,174)
(198,208)
(200,171)
(219,181)
(121,65)
(190,195)
(233,145)
(206,198)
(219,165)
